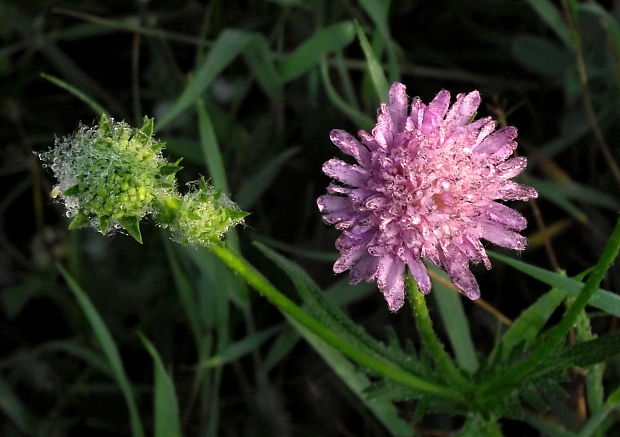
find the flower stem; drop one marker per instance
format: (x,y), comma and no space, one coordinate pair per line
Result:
(429,338)
(381,367)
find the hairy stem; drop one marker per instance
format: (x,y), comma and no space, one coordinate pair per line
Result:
(429,338)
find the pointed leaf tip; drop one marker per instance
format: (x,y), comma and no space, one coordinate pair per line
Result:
(104,125)
(79,221)
(148,127)
(132,226)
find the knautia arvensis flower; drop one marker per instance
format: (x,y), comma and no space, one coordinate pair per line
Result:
(111,176)
(425,187)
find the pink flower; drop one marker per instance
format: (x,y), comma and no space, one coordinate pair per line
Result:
(425,187)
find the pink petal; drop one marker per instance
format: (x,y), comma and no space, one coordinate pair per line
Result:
(348,259)
(383,131)
(506,216)
(439,105)
(513,191)
(420,274)
(414,121)
(398,106)
(351,175)
(368,140)
(333,203)
(462,110)
(364,269)
(499,145)
(503,237)
(457,266)
(391,281)
(349,145)
(512,167)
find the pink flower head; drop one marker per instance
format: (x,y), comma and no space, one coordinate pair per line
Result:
(425,187)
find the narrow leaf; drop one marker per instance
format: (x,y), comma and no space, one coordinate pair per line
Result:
(109,350)
(90,102)
(375,69)
(310,52)
(132,226)
(166,408)
(456,324)
(602,299)
(211,149)
(549,13)
(79,221)
(255,185)
(225,49)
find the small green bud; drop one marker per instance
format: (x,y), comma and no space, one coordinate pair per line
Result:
(202,216)
(109,175)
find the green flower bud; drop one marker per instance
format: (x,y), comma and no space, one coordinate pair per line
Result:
(110,175)
(202,216)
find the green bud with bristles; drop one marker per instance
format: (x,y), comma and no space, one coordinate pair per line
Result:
(203,216)
(110,175)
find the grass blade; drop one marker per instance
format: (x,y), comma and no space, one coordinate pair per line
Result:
(225,49)
(234,351)
(375,69)
(15,410)
(357,382)
(259,58)
(109,350)
(166,407)
(329,39)
(602,299)
(90,102)
(550,15)
(211,149)
(456,324)
(357,117)
(254,186)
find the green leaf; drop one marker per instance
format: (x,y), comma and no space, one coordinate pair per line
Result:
(15,410)
(378,12)
(357,382)
(531,321)
(582,354)
(229,44)
(168,169)
(147,127)
(211,149)
(90,102)
(166,407)
(542,56)
(259,58)
(255,185)
(234,351)
(332,316)
(72,191)
(104,125)
(79,221)
(357,117)
(547,428)
(104,224)
(310,52)
(132,226)
(602,299)
(553,18)
(375,68)
(456,324)
(109,350)
(549,190)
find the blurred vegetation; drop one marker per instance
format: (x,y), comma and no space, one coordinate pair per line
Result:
(247,92)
